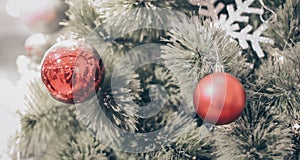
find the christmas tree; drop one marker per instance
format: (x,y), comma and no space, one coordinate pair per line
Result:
(139,95)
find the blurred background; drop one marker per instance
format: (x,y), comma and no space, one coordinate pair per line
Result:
(26,26)
(12,37)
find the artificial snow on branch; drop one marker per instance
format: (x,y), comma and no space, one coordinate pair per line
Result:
(45,123)
(230,22)
(279,82)
(260,133)
(139,21)
(82,145)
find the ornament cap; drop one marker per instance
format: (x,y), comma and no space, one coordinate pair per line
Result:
(68,36)
(219,68)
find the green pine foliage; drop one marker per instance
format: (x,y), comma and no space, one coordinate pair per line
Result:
(260,133)
(194,143)
(285,30)
(279,82)
(46,122)
(186,48)
(145,20)
(83,12)
(85,147)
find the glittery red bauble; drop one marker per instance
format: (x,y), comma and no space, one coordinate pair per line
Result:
(72,71)
(219,98)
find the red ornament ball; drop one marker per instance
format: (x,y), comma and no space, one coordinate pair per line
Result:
(72,71)
(219,98)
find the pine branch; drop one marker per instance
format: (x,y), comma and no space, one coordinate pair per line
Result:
(279,82)
(103,116)
(146,20)
(83,146)
(83,18)
(259,133)
(188,141)
(46,122)
(194,143)
(285,31)
(167,79)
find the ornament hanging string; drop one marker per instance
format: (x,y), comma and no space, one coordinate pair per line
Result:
(270,19)
(218,67)
(277,56)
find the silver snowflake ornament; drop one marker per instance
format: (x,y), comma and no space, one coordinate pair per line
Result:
(230,22)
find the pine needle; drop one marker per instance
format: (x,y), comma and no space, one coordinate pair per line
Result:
(45,123)
(259,133)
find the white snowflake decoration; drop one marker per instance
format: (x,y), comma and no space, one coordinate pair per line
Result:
(229,22)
